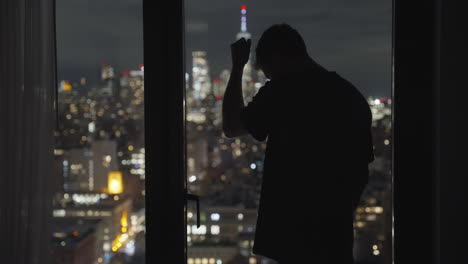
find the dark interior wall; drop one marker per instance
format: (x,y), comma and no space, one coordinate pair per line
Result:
(430,193)
(453,132)
(414,130)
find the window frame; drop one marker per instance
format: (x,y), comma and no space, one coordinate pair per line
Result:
(163,38)
(414,79)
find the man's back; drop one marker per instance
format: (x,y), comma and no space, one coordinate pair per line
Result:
(319,145)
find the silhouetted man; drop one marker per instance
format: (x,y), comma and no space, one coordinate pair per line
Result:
(319,144)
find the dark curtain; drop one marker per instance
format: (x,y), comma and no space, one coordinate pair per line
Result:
(27,92)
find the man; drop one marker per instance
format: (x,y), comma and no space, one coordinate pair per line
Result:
(319,144)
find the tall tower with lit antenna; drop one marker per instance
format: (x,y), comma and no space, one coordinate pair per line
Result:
(243,30)
(247,81)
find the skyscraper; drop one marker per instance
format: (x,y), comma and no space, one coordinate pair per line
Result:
(86,169)
(219,84)
(247,81)
(108,85)
(243,31)
(201,82)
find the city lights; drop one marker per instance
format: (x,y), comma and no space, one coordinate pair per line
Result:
(86,198)
(199,230)
(215,229)
(115,185)
(101,144)
(203,115)
(240,216)
(66,86)
(215,217)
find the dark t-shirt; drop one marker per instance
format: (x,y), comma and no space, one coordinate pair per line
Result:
(319,143)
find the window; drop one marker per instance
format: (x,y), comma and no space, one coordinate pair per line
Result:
(353,39)
(419,48)
(99,202)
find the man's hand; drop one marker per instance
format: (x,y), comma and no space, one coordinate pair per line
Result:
(240,52)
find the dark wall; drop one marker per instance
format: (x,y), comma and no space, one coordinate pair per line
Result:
(453,132)
(430,193)
(414,130)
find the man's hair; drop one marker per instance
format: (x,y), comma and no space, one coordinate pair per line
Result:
(279,39)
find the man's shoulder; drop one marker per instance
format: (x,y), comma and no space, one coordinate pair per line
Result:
(348,86)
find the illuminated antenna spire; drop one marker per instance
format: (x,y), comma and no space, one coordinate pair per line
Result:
(243,32)
(243,18)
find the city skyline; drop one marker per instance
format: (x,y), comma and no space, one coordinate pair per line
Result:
(113,32)
(226,173)
(100,145)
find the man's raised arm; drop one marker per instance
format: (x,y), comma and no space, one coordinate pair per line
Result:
(233,101)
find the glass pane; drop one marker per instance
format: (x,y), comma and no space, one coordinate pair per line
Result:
(99,209)
(353,39)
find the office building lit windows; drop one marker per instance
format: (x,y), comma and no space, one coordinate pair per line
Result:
(99,138)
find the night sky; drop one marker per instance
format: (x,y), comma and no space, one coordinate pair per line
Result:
(350,37)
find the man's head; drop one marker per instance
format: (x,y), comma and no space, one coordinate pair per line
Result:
(279,45)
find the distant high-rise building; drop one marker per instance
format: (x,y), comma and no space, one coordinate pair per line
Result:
(109,85)
(243,31)
(261,78)
(132,91)
(86,169)
(74,241)
(247,81)
(65,86)
(107,72)
(224,232)
(201,81)
(220,83)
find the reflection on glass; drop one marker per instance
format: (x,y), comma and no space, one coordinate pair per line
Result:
(227,173)
(98,207)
